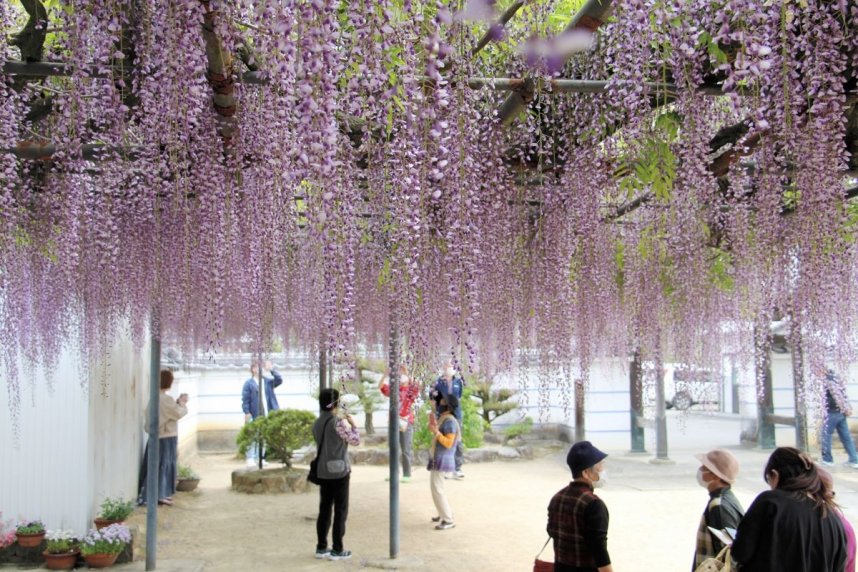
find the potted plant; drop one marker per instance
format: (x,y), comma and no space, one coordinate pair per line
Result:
(62,550)
(113,511)
(102,547)
(30,534)
(188,479)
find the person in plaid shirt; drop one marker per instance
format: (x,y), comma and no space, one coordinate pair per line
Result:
(577,518)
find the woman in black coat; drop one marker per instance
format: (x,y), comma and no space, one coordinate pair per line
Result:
(793,527)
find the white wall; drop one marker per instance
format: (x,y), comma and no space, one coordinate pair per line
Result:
(76,442)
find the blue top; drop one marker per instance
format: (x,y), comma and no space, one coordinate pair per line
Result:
(443,458)
(250,394)
(456,387)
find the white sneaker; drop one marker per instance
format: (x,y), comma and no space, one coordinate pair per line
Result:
(458,475)
(827,463)
(264,463)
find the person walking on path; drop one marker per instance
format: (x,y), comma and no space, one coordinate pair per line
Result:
(169,412)
(408,392)
(837,410)
(333,437)
(446,433)
(793,527)
(717,472)
(577,518)
(452,384)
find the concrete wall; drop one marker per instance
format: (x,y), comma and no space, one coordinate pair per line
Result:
(607,402)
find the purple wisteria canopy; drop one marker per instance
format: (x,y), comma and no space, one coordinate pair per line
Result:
(577,178)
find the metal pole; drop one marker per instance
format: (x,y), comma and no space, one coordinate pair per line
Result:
(636,403)
(259,444)
(660,413)
(393,434)
(323,365)
(153,445)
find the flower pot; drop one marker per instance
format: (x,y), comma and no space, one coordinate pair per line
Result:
(100,560)
(64,561)
(187,485)
(30,540)
(103,522)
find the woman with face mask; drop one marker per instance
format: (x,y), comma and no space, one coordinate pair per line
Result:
(717,472)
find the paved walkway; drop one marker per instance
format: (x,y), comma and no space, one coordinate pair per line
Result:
(500,510)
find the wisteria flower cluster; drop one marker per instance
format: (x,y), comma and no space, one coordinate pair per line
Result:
(108,540)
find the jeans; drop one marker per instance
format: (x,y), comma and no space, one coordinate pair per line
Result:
(252,453)
(405,439)
(837,420)
(333,493)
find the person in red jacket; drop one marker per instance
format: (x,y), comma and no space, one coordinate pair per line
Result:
(408,392)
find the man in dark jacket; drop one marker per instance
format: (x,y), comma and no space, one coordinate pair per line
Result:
(577,518)
(717,472)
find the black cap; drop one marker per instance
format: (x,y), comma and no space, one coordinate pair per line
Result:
(583,455)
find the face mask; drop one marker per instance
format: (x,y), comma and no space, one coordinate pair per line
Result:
(603,479)
(448,372)
(700,480)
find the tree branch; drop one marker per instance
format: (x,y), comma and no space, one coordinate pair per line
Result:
(31,40)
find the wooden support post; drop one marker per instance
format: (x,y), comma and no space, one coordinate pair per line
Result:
(636,403)
(765,401)
(580,421)
(798,391)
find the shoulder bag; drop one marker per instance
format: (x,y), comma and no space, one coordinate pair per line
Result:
(313,476)
(542,565)
(720,563)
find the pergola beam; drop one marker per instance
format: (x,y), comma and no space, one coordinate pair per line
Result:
(506,17)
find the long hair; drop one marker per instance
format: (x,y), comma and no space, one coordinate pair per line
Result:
(798,474)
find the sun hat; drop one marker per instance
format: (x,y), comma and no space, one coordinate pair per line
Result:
(721,463)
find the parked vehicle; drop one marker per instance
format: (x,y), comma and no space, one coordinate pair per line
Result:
(684,386)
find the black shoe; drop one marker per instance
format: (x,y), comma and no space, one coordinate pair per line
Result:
(340,555)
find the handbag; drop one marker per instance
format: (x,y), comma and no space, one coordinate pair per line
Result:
(542,565)
(313,475)
(720,563)
(403,424)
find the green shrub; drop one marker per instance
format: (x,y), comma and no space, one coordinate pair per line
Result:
(281,431)
(518,429)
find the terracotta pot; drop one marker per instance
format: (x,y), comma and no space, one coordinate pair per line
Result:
(30,540)
(103,522)
(100,560)
(64,561)
(187,485)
